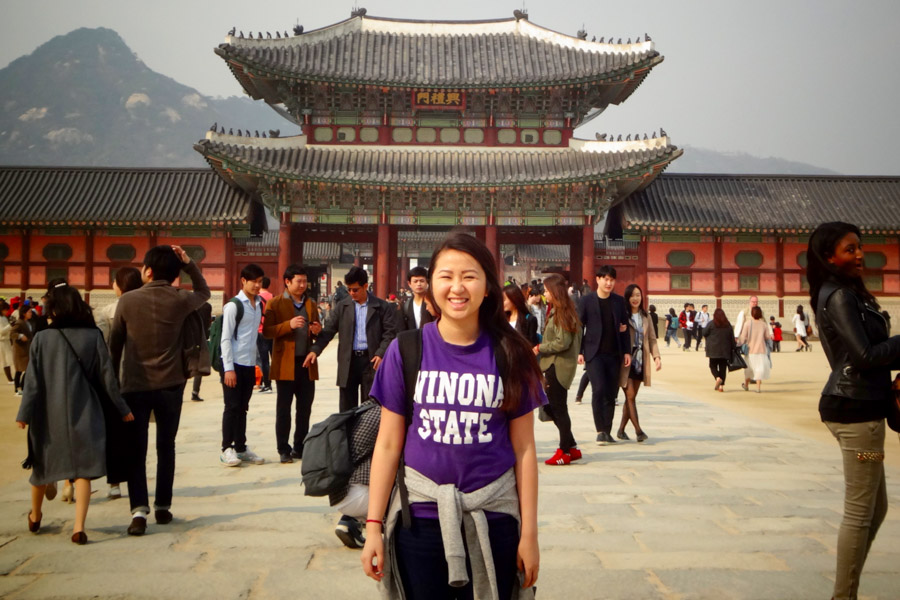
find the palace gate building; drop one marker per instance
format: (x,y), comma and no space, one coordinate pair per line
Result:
(418,126)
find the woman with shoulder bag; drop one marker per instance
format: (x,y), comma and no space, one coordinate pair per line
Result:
(801,329)
(858,395)
(720,346)
(62,407)
(559,360)
(21,334)
(755,333)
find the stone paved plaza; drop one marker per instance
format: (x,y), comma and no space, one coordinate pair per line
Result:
(714,505)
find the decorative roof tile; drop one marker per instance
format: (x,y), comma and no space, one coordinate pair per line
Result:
(437,165)
(500,53)
(67,195)
(764,202)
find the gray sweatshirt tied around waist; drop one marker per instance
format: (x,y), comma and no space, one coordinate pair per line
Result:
(457,512)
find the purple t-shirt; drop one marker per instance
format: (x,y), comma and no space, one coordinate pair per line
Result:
(458,433)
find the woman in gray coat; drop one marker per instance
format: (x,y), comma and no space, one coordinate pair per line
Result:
(62,408)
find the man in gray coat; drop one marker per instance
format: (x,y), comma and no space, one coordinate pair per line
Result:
(365,326)
(146,346)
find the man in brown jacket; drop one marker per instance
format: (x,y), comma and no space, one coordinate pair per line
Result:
(292,321)
(145,339)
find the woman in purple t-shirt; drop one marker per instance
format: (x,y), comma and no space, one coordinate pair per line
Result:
(472,428)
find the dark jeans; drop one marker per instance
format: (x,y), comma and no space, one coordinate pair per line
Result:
(558,410)
(19,380)
(237,404)
(688,336)
(166,406)
(195,392)
(305,392)
(423,567)
(698,335)
(359,381)
(603,370)
(719,368)
(264,347)
(582,385)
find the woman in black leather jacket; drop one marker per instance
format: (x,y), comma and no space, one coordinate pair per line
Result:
(855,401)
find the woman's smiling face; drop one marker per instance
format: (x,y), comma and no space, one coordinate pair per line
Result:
(848,256)
(458,284)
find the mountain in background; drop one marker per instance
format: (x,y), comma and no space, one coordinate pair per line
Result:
(85,99)
(703,160)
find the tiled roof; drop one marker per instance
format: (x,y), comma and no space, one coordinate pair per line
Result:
(542,253)
(764,202)
(438,165)
(321,251)
(66,195)
(501,53)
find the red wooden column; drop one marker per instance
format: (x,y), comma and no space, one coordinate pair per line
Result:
(26,262)
(779,274)
(641,277)
(393,261)
(717,267)
(231,276)
(493,244)
(588,269)
(88,266)
(576,251)
(382,260)
(284,253)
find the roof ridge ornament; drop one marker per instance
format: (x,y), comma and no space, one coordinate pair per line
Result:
(521,15)
(358,12)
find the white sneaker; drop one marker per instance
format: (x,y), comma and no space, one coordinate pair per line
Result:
(18,393)
(250,456)
(230,458)
(114,492)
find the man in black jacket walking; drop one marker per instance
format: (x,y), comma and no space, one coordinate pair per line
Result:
(365,326)
(605,348)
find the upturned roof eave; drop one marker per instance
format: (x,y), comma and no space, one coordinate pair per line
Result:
(263,71)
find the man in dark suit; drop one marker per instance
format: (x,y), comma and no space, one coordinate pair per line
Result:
(605,348)
(415,312)
(365,326)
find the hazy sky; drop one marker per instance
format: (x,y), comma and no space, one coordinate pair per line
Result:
(815,81)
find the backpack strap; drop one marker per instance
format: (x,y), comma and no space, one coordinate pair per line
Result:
(239,306)
(410,345)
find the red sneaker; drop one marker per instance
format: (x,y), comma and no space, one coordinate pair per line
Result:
(575,453)
(560,458)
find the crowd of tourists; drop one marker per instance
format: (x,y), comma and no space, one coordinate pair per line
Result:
(441,386)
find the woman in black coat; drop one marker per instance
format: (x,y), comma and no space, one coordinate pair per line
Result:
(856,399)
(518,314)
(719,336)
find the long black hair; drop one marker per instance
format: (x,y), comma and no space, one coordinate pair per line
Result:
(515,295)
(628,293)
(67,308)
(822,244)
(519,371)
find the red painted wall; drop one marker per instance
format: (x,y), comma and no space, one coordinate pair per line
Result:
(730,249)
(703,254)
(77,243)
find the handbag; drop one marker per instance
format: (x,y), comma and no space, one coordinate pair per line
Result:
(736,361)
(893,416)
(543,415)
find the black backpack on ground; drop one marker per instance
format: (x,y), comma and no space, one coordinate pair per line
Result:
(327,464)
